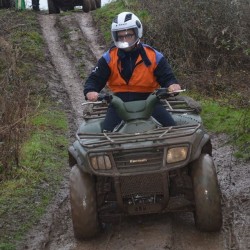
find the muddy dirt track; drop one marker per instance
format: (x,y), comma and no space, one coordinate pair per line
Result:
(168,231)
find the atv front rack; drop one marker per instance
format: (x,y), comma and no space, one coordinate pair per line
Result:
(116,139)
(178,104)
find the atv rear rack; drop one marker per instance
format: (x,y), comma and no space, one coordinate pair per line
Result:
(157,136)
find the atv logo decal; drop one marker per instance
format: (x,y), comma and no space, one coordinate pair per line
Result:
(84,202)
(138,161)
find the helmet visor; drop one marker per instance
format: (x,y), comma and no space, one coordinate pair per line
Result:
(125,38)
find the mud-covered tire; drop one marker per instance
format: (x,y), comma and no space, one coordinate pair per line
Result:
(207,214)
(12,3)
(67,8)
(4,4)
(98,3)
(53,9)
(83,204)
(7,4)
(92,5)
(86,5)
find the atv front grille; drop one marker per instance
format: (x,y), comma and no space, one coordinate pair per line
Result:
(141,185)
(143,194)
(130,161)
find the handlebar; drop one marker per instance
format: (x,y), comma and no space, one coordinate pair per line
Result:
(160,93)
(164,93)
(101,98)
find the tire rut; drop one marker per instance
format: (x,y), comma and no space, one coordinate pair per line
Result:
(63,64)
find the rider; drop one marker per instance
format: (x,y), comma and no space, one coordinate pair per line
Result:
(132,70)
(35,5)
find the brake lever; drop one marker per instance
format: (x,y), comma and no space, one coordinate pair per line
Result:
(87,103)
(178,91)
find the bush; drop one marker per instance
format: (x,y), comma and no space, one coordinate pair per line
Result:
(14,105)
(20,43)
(198,35)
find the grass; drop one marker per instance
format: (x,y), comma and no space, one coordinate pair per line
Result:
(6,246)
(33,182)
(43,161)
(232,121)
(219,118)
(27,35)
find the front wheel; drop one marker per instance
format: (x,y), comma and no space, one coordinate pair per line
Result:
(92,5)
(208,214)
(83,204)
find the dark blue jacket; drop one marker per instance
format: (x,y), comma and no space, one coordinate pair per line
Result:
(100,74)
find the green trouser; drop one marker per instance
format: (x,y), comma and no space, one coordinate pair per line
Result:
(20,4)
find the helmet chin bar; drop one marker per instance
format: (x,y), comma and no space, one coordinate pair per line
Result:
(126,45)
(122,45)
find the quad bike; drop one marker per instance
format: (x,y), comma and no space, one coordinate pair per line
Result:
(55,6)
(142,167)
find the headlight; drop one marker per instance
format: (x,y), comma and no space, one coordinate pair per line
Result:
(101,162)
(177,154)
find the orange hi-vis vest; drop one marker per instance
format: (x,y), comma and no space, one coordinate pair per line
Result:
(142,79)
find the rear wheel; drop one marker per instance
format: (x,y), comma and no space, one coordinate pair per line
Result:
(53,8)
(208,214)
(12,3)
(83,204)
(98,3)
(86,5)
(67,8)
(92,5)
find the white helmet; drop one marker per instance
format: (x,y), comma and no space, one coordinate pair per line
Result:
(126,21)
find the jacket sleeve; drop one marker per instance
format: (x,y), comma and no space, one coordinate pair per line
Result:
(98,78)
(164,74)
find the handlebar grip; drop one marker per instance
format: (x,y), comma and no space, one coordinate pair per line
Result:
(104,97)
(164,93)
(100,97)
